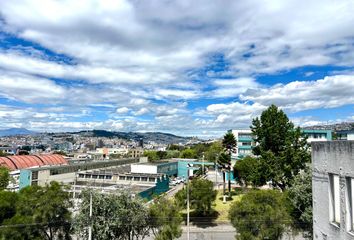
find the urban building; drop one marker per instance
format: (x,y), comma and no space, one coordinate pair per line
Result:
(111,179)
(345,135)
(315,135)
(19,162)
(245,143)
(333,190)
(64,174)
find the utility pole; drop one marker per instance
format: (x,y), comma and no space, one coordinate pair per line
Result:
(203,165)
(90,227)
(188,202)
(216,175)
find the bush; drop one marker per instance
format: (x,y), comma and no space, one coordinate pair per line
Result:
(260,214)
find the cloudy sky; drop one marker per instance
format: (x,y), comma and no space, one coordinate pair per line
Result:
(186,67)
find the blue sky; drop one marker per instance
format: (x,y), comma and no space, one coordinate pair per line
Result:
(186,67)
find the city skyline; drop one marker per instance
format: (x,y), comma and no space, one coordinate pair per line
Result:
(188,69)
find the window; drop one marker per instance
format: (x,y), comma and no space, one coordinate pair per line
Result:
(350,204)
(334,199)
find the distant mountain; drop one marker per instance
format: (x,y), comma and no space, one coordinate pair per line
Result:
(15,131)
(157,137)
(333,127)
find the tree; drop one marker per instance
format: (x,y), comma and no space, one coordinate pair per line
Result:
(260,214)
(4,177)
(281,147)
(229,143)
(202,195)
(172,154)
(188,153)
(41,213)
(7,205)
(115,216)
(300,197)
(165,219)
(223,160)
(248,171)
(3,154)
(213,152)
(152,155)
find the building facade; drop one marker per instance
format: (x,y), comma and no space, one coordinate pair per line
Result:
(245,143)
(317,135)
(345,135)
(333,190)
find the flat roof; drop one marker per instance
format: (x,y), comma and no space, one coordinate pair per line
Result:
(163,161)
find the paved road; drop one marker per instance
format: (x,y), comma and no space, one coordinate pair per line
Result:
(174,190)
(210,233)
(219,232)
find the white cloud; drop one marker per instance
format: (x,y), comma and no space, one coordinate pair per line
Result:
(122,110)
(124,56)
(329,92)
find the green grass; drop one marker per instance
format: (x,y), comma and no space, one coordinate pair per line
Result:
(223,208)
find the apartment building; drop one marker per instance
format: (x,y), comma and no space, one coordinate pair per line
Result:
(245,142)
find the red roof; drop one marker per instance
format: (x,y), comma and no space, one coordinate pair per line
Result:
(26,161)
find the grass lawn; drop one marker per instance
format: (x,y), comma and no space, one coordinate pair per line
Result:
(223,208)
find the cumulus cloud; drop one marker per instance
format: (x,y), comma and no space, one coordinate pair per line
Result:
(120,57)
(122,110)
(329,92)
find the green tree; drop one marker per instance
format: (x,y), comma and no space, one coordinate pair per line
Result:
(229,143)
(2,154)
(7,205)
(202,196)
(281,147)
(248,171)
(223,160)
(161,155)
(260,214)
(300,197)
(172,154)
(213,152)
(41,213)
(188,153)
(165,219)
(4,177)
(152,155)
(115,216)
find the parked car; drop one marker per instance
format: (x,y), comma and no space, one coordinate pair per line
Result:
(173,182)
(179,180)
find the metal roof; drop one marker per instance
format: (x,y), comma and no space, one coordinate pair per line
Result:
(26,161)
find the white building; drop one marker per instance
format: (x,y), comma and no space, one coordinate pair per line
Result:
(245,142)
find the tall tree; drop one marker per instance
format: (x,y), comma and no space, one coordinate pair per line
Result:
(223,160)
(165,219)
(114,216)
(7,205)
(282,148)
(260,214)
(4,177)
(188,153)
(248,171)
(41,213)
(300,197)
(229,143)
(202,196)
(214,151)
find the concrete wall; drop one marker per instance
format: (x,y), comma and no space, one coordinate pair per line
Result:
(336,157)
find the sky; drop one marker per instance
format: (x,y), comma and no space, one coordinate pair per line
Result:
(192,68)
